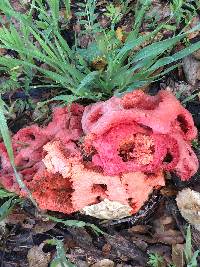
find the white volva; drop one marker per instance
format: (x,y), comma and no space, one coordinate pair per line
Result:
(107,210)
(188,202)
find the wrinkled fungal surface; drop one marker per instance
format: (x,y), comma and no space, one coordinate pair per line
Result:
(104,159)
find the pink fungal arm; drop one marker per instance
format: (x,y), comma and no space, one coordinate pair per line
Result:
(159,113)
(51,191)
(28,144)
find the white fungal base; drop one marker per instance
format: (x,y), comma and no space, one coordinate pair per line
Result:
(188,202)
(108,210)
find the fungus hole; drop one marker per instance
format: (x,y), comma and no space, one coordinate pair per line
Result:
(48,248)
(100,188)
(130,201)
(32,136)
(148,174)
(126,150)
(182,123)
(96,116)
(145,127)
(152,148)
(25,160)
(141,103)
(168,158)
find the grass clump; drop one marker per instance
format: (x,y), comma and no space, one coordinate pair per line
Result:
(107,66)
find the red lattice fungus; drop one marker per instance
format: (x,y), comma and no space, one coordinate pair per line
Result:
(127,144)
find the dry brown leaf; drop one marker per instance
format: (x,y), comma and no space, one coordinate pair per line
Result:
(104,263)
(196,55)
(191,68)
(2,51)
(120,34)
(177,255)
(99,63)
(17,216)
(42,227)
(161,9)
(20,5)
(139,229)
(169,237)
(36,257)
(165,232)
(168,191)
(106,249)
(195,21)
(183,89)
(145,238)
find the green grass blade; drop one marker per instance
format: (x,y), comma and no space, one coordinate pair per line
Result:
(177,56)
(54,7)
(193,262)
(7,9)
(64,45)
(156,48)
(87,80)
(60,259)
(43,44)
(64,79)
(67,4)
(188,245)
(67,99)
(6,208)
(5,132)
(132,43)
(139,16)
(76,223)
(5,194)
